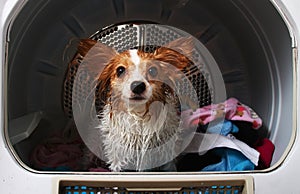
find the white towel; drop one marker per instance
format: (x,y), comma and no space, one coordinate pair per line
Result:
(203,142)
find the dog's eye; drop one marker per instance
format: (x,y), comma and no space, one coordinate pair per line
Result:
(120,71)
(153,71)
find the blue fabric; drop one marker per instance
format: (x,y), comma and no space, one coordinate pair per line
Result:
(231,160)
(59,168)
(223,128)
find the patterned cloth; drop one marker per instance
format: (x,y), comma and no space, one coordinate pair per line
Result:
(231,109)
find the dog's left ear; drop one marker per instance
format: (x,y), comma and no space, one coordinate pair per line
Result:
(183,45)
(177,53)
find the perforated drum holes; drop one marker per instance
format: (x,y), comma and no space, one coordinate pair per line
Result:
(121,37)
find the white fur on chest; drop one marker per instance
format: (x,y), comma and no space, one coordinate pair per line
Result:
(134,142)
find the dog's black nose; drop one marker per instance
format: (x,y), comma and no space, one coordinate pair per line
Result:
(138,87)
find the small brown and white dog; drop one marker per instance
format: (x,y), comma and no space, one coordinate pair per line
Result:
(140,120)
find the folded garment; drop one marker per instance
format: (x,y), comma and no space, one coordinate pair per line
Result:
(201,143)
(231,109)
(231,160)
(266,149)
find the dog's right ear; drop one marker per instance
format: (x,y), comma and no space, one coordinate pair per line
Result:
(85,45)
(96,55)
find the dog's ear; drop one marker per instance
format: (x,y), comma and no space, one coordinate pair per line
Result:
(183,45)
(103,89)
(86,68)
(85,45)
(96,55)
(96,58)
(177,53)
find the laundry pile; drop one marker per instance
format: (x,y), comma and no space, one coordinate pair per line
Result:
(228,138)
(62,151)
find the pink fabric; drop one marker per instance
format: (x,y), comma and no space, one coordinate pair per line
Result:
(231,109)
(99,169)
(56,152)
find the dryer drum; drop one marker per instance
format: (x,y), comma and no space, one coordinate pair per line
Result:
(238,54)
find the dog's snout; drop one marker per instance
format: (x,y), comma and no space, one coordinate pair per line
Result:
(138,87)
